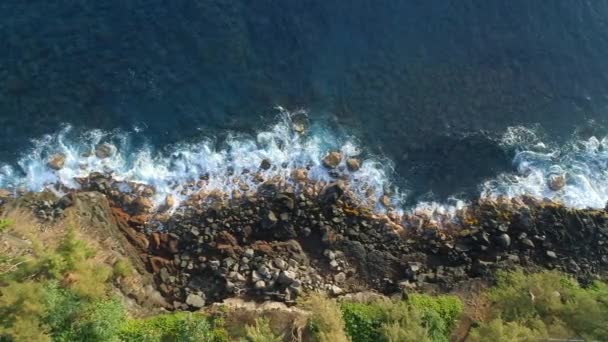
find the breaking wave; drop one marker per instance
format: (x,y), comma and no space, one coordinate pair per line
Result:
(229,166)
(574,174)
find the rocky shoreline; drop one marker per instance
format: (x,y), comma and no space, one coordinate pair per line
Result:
(281,232)
(287,238)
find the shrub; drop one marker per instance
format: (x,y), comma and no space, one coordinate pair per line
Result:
(439,313)
(326,322)
(180,326)
(401,322)
(5,224)
(548,303)
(363,321)
(261,332)
(122,269)
(499,331)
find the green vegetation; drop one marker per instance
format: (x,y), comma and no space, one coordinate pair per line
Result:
(421,317)
(546,304)
(179,326)
(5,224)
(326,322)
(63,292)
(261,332)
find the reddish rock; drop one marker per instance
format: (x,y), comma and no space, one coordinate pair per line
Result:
(353,164)
(299,174)
(156,263)
(57,161)
(332,159)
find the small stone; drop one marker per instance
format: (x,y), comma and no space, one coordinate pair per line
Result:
(556,182)
(263,271)
(57,161)
(272,217)
(299,174)
(331,255)
(353,164)
(265,164)
(335,290)
(503,240)
(249,253)
(527,243)
(195,301)
(340,277)
(284,217)
(334,264)
(385,200)
(143,204)
(105,150)
(164,275)
(286,277)
(332,159)
(280,264)
(259,285)
(551,255)
(169,201)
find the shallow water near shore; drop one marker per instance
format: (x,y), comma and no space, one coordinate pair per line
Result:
(232,166)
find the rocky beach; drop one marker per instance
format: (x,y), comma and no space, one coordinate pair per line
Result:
(280,233)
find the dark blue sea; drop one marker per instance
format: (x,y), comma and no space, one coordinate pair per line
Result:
(442,100)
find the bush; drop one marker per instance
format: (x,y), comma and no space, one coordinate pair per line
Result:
(122,269)
(180,326)
(326,322)
(261,332)
(499,331)
(402,322)
(363,321)
(548,303)
(439,313)
(422,317)
(5,224)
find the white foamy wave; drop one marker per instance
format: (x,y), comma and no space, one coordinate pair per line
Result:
(574,174)
(188,168)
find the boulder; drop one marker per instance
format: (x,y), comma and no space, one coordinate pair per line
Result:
(195,300)
(142,204)
(556,182)
(299,174)
(286,277)
(265,164)
(259,285)
(353,164)
(331,193)
(169,201)
(503,240)
(332,159)
(105,150)
(57,161)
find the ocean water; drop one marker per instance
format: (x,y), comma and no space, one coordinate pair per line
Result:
(444,101)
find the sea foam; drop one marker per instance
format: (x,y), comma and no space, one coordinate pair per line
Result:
(583,164)
(227,166)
